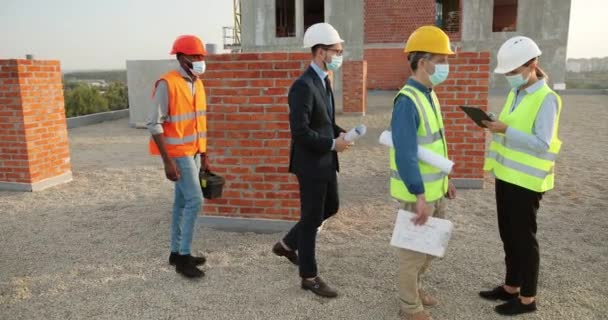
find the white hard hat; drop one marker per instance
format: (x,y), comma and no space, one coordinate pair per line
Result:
(515,52)
(321,33)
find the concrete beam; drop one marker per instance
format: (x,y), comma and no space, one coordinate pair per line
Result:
(245,225)
(89,119)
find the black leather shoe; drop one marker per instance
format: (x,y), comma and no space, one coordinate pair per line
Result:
(198,261)
(514,307)
(319,287)
(280,251)
(187,268)
(498,293)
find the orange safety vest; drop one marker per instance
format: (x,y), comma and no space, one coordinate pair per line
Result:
(185,129)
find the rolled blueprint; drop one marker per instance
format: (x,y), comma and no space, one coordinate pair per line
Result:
(355,133)
(425,155)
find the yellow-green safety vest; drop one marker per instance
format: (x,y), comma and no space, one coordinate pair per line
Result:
(430,135)
(520,166)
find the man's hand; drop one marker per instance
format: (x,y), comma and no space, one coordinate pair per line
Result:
(341,144)
(171,171)
(495,126)
(204,162)
(451,190)
(421,213)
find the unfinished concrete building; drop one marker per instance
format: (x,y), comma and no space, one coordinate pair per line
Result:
(375,30)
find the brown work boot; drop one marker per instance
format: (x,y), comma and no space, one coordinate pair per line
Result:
(422,315)
(427,299)
(319,287)
(281,251)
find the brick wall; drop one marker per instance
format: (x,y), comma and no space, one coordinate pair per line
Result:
(249,135)
(390,21)
(387,69)
(354,91)
(467,85)
(33,133)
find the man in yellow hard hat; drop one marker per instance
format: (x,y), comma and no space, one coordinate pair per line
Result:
(419,187)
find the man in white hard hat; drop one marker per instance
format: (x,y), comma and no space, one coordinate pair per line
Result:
(316,141)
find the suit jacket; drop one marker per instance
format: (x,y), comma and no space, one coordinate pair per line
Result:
(313,128)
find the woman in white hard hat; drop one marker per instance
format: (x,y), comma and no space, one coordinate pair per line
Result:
(522,158)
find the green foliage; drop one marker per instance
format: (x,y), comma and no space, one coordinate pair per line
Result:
(117,97)
(82,99)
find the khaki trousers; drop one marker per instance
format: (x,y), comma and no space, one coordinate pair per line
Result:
(413,264)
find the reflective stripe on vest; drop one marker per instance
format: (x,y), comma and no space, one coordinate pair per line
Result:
(186,116)
(519,166)
(429,177)
(186,139)
(544,155)
(430,136)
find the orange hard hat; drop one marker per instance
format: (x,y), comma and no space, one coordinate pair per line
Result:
(188,44)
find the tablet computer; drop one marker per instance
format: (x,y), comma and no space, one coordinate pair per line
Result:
(476,115)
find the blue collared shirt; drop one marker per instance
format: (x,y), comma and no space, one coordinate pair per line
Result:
(404,128)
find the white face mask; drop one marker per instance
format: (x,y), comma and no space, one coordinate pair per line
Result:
(198,67)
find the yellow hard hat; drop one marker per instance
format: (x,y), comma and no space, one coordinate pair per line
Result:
(429,39)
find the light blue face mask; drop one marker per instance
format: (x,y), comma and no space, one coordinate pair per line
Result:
(198,67)
(516,81)
(441,73)
(335,63)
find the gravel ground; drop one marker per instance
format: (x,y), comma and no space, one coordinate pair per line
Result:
(96,248)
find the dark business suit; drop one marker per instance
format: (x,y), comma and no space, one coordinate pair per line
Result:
(312,160)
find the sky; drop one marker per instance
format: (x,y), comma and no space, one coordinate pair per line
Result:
(103,34)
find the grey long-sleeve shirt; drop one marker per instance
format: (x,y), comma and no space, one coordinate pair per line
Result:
(540,140)
(160,109)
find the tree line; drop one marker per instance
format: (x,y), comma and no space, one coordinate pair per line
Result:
(82,98)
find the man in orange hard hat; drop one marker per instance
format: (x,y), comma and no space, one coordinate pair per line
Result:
(178,126)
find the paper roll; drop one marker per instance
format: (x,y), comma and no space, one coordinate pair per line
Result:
(425,155)
(355,133)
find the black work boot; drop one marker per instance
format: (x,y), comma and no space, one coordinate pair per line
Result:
(187,268)
(198,261)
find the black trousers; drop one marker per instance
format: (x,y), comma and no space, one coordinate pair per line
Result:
(517,209)
(319,201)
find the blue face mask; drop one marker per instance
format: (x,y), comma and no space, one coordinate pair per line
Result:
(441,73)
(335,63)
(517,80)
(198,67)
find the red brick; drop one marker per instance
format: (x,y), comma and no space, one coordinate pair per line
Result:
(263,83)
(274,74)
(261,100)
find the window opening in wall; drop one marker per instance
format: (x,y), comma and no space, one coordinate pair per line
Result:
(505,16)
(447,15)
(285,18)
(314,12)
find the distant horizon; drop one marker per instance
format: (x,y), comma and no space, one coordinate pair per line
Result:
(104,35)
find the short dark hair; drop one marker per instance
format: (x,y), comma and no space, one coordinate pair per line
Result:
(316,47)
(415,57)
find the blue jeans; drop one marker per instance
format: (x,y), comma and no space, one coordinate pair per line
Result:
(187,204)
